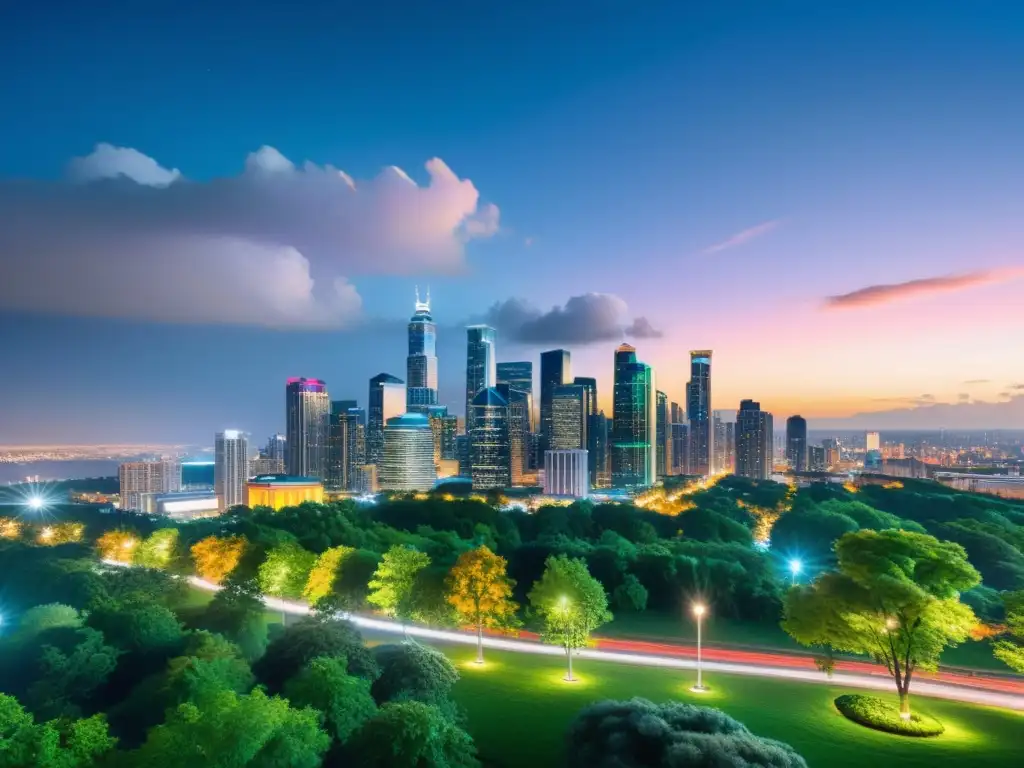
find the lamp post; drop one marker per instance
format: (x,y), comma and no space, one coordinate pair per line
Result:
(566,629)
(795,567)
(698,610)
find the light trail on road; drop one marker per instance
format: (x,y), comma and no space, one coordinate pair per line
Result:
(968,694)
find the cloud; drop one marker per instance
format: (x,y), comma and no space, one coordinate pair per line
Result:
(275,245)
(885,293)
(963,397)
(1016,386)
(974,382)
(584,319)
(745,236)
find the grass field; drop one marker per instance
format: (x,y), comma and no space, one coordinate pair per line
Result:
(519,710)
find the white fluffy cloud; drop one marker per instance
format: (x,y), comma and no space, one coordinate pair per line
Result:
(275,245)
(590,317)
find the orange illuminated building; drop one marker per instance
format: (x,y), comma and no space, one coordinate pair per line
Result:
(277,491)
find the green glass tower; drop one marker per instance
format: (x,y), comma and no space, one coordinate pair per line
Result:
(634,422)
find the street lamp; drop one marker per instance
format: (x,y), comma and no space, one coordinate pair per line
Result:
(566,608)
(699,610)
(795,567)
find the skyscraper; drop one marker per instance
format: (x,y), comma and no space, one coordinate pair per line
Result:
(872,441)
(449,431)
(816,458)
(589,385)
(277,449)
(555,370)
(481,366)
(634,422)
(230,468)
(754,441)
(680,447)
(339,442)
(307,416)
(730,446)
(421,365)
(796,443)
(408,459)
(519,407)
(698,407)
(517,375)
(490,447)
(569,411)
(678,414)
(141,481)
(597,451)
(663,432)
(387,399)
(719,449)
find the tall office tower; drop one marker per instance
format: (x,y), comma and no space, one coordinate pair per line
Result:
(816,458)
(872,441)
(663,435)
(754,441)
(449,431)
(387,399)
(678,414)
(230,468)
(519,406)
(436,415)
(277,448)
(463,454)
(719,458)
(408,460)
(141,481)
(589,385)
(338,444)
(481,367)
(517,375)
(730,446)
(698,408)
(569,411)
(796,443)
(490,448)
(308,410)
(597,451)
(566,473)
(634,422)
(421,364)
(680,447)
(555,371)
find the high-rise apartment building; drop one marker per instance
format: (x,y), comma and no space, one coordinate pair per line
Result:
(663,433)
(754,441)
(566,473)
(796,443)
(816,458)
(307,415)
(569,411)
(386,400)
(141,481)
(555,371)
(719,449)
(634,422)
(230,468)
(490,445)
(481,365)
(698,408)
(872,441)
(276,449)
(408,460)
(421,364)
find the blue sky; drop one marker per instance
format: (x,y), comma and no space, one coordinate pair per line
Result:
(855,144)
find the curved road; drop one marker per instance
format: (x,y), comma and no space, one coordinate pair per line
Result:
(992,691)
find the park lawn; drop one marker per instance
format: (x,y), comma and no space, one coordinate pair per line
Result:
(519,709)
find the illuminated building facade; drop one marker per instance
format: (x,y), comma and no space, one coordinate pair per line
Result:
(597,451)
(277,491)
(481,365)
(663,435)
(516,375)
(754,441)
(570,407)
(680,449)
(555,371)
(189,505)
(634,422)
(566,473)
(408,461)
(796,443)
(421,364)
(520,404)
(307,411)
(386,400)
(230,468)
(346,445)
(141,481)
(872,441)
(490,446)
(698,408)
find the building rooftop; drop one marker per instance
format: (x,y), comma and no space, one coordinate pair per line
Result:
(284,480)
(409,421)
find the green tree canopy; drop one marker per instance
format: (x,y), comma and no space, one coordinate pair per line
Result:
(311,638)
(54,744)
(285,570)
(344,700)
(412,671)
(158,550)
(411,734)
(391,588)
(894,596)
(236,612)
(43,617)
(1011,650)
(72,664)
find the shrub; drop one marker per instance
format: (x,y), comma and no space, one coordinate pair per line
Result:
(874,713)
(411,671)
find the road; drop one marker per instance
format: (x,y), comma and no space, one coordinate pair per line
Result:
(992,691)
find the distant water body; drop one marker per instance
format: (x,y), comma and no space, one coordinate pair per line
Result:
(57,470)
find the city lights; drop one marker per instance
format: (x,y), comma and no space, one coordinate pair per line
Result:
(35,503)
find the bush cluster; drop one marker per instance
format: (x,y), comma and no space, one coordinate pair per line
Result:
(882,716)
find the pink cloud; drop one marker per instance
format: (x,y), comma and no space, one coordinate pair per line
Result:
(740,238)
(889,292)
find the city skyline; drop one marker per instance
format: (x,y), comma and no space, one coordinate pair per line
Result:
(840,218)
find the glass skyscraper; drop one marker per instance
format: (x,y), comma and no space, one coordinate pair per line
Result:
(307,415)
(518,375)
(555,371)
(490,445)
(698,407)
(481,366)
(796,443)
(408,460)
(387,399)
(754,441)
(634,419)
(230,468)
(346,446)
(421,364)
(569,412)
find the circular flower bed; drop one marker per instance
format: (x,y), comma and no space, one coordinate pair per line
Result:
(875,713)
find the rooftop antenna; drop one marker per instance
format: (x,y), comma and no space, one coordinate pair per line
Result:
(422,306)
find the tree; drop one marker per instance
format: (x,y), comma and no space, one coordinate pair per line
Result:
(481,592)
(411,671)
(571,602)
(158,550)
(392,582)
(411,734)
(72,664)
(60,533)
(43,617)
(1011,652)
(137,626)
(216,558)
(53,744)
(325,685)
(630,595)
(894,596)
(671,735)
(308,639)
(236,611)
(230,730)
(117,546)
(210,662)
(325,573)
(285,570)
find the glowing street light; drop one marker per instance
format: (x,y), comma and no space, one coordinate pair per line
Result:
(795,567)
(699,610)
(35,503)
